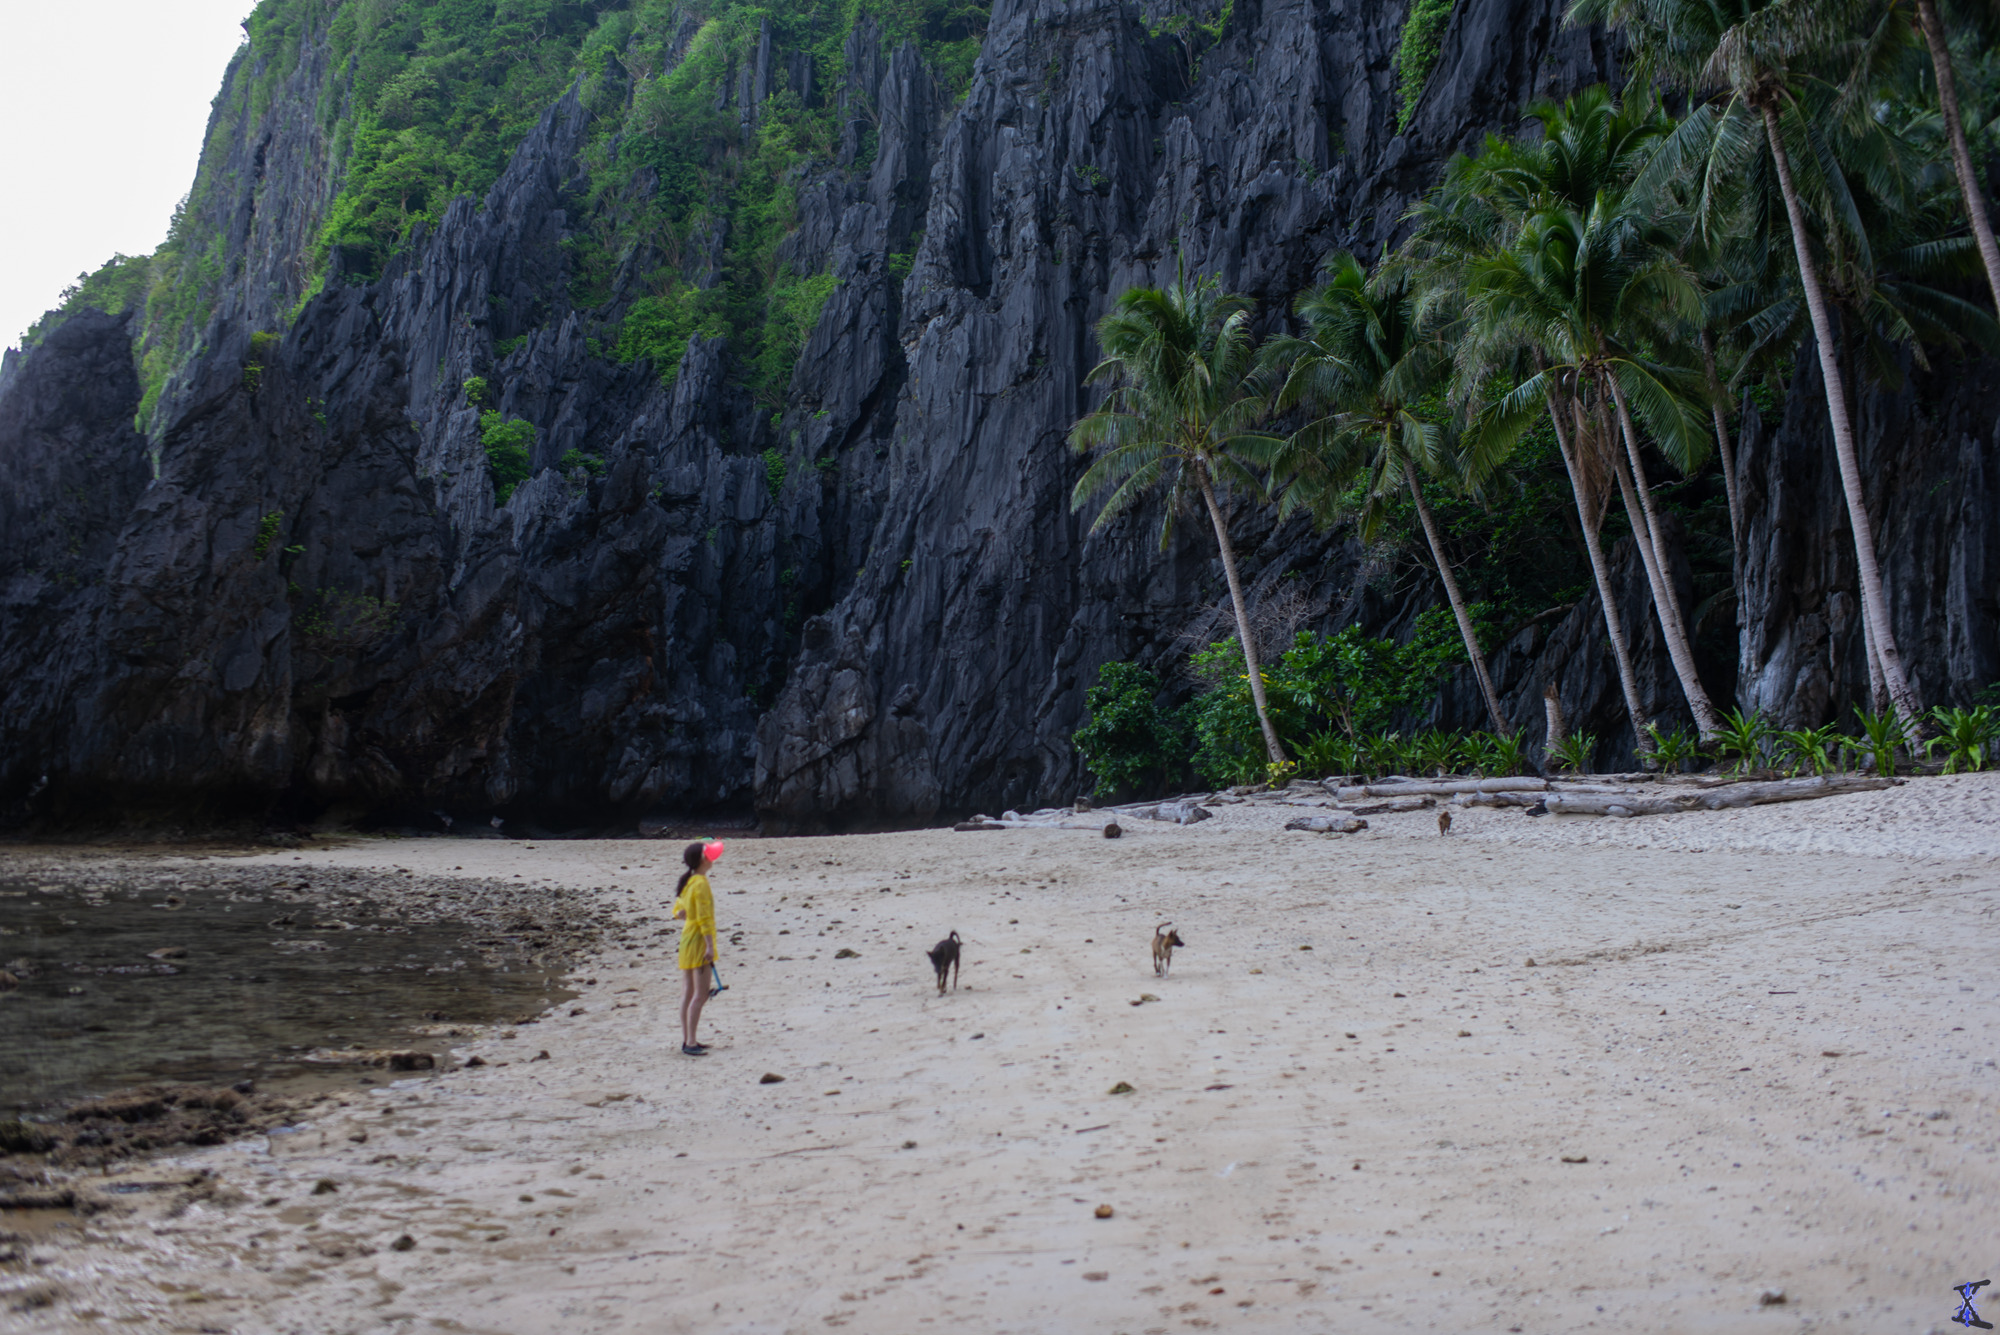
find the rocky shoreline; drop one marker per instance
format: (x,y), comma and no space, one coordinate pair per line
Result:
(499,923)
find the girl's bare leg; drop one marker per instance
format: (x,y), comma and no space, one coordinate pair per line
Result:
(690,1007)
(697,997)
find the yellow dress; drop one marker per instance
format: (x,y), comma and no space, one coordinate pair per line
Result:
(699,905)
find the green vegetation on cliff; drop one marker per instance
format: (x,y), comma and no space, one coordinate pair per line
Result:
(420,102)
(1416,53)
(117,287)
(509,444)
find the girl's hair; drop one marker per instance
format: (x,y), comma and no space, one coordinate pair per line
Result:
(692,855)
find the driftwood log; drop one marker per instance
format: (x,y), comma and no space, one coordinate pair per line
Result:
(1792,790)
(1400,804)
(1621,793)
(1613,804)
(1327,824)
(1659,802)
(1039,822)
(1179,813)
(1599,795)
(1440,787)
(1498,799)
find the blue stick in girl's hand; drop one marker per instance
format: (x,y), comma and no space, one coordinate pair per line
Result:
(716,973)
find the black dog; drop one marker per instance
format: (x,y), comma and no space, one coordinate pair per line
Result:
(944,958)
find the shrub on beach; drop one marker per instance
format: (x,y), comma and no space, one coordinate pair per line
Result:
(1130,740)
(1332,697)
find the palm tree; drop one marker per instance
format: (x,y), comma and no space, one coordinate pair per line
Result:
(1719,304)
(1739,56)
(1574,286)
(1592,500)
(1366,365)
(1590,144)
(1186,395)
(1891,266)
(1961,156)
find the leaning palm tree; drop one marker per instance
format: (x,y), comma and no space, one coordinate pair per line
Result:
(1186,396)
(1577,288)
(1961,155)
(1365,366)
(1893,263)
(1741,59)
(1732,299)
(1891,27)
(1590,143)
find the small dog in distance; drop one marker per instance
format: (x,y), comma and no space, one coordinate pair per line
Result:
(944,958)
(1444,822)
(1165,938)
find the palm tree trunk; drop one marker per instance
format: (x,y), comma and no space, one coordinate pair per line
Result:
(1961,156)
(1645,526)
(1457,599)
(1614,624)
(1718,409)
(1243,634)
(1629,434)
(1874,605)
(1878,689)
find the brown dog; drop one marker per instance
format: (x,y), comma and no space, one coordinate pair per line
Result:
(944,958)
(1444,822)
(1165,938)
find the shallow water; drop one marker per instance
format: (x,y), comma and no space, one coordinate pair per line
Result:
(262,983)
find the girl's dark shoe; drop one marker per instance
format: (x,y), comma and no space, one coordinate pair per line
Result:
(693,1050)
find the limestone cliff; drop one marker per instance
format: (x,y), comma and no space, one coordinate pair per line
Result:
(317,603)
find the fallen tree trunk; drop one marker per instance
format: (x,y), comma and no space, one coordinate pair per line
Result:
(1619,796)
(1179,813)
(1327,824)
(1400,804)
(1791,790)
(1613,804)
(988,823)
(1602,803)
(1497,799)
(1441,787)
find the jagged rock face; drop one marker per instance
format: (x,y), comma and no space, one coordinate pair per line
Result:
(74,468)
(1084,161)
(263,191)
(318,598)
(1930,464)
(318,602)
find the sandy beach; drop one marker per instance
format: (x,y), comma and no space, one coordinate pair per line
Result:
(1747,1084)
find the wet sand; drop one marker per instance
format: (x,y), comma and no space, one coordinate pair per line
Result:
(131,971)
(1754,1057)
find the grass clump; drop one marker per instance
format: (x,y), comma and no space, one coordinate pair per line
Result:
(1417,53)
(509,446)
(267,534)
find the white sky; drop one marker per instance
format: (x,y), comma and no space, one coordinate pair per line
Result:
(104,105)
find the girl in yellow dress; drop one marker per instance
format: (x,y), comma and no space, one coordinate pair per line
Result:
(694,902)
